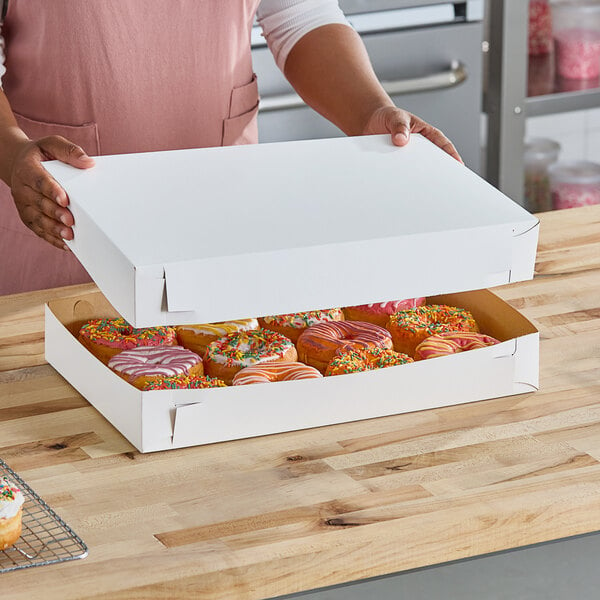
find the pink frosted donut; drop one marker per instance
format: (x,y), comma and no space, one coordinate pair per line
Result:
(452,342)
(143,365)
(319,343)
(379,312)
(279,371)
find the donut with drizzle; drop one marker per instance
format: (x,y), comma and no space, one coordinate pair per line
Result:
(278,371)
(11,511)
(365,359)
(293,324)
(379,312)
(410,327)
(451,342)
(319,343)
(230,354)
(143,365)
(197,337)
(106,337)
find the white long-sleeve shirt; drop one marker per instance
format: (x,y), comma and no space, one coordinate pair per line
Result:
(283,23)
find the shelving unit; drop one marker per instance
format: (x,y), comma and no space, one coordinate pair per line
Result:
(561,102)
(506,102)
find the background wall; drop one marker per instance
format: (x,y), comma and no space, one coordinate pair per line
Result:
(577,132)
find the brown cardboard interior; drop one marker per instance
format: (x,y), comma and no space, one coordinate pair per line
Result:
(74,311)
(494,316)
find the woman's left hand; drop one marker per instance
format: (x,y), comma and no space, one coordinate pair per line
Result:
(400,124)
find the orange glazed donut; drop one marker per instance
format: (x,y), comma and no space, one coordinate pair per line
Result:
(365,359)
(197,337)
(380,312)
(279,371)
(294,324)
(106,337)
(410,327)
(319,343)
(143,365)
(230,354)
(451,342)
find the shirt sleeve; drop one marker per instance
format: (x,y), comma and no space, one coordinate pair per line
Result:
(284,22)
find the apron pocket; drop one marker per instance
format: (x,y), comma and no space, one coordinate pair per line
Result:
(241,126)
(85,135)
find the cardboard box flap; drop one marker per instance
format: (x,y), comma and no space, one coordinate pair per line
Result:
(278,228)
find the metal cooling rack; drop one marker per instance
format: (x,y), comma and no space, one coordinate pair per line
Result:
(45,538)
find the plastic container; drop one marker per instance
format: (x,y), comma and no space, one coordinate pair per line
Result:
(574,184)
(540,75)
(540,27)
(577,39)
(540,153)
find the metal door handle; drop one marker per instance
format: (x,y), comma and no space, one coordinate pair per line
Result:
(455,75)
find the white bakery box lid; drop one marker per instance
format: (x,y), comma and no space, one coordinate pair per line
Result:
(213,234)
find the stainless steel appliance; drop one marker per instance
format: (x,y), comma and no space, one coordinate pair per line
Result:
(427,54)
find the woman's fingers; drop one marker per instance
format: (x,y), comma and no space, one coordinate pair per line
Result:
(40,200)
(47,228)
(59,148)
(436,136)
(400,124)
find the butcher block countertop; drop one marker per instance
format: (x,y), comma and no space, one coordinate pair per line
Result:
(279,514)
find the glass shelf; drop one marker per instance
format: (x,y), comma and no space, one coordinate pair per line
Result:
(548,93)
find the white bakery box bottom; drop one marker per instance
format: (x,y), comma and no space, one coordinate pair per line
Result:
(166,419)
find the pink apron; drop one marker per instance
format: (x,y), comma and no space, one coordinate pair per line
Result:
(121,76)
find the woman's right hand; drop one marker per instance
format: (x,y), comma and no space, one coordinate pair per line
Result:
(41,202)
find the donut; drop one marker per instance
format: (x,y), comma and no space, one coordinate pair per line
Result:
(293,324)
(410,327)
(279,371)
(106,337)
(197,337)
(319,343)
(231,353)
(451,342)
(189,382)
(139,366)
(11,513)
(379,312)
(365,359)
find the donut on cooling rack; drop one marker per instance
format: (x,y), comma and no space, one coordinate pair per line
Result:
(230,354)
(11,511)
(451,342)
(410,327)
(147,364)
(106,337)
(278,371)
(293,324)
(319,343)
(379,312)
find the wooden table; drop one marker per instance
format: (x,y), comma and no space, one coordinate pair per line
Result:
(274,515)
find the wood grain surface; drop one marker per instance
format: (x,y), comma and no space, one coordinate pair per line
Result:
(268,516)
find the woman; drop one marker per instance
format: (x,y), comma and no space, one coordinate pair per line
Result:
(91,78)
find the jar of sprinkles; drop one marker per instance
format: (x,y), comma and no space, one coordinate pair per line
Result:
(540,27)
(575,184)
(577,38)
(540,153)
